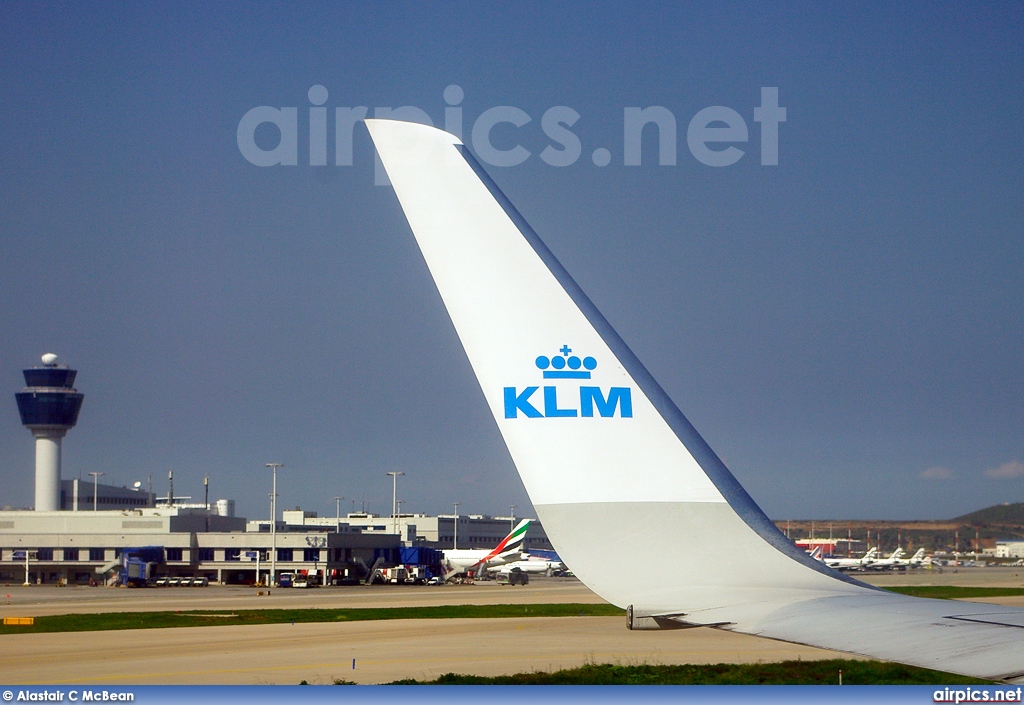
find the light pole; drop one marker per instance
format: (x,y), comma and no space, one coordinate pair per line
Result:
(455,537)
(95,488)
(273,525)
(337,528)
(394,497)
(512,517)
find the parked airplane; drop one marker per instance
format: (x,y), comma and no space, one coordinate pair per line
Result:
(509,549)
(893,561)
(609,460)
(531,564)
(915,561)
(853,563)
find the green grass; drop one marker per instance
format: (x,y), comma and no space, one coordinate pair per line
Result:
(202,618)
(783,673)
(946,592)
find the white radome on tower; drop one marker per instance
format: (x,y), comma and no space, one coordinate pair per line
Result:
(50,359)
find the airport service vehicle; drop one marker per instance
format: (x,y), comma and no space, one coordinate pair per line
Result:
(402,575)
(185,581)
(416,574)
(516,576)
(394,576)
(610,462)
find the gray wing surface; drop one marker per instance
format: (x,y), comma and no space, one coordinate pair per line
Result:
(976,639)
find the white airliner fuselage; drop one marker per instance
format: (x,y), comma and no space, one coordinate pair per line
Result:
(530,564)
(464,559)
(853,563)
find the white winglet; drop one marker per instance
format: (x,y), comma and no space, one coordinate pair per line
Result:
(604,452)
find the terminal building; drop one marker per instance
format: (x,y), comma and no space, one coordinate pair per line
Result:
(78,529)
(85,547)
(474,530)
(1009,549)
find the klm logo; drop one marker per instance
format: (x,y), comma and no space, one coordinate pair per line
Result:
(590,398)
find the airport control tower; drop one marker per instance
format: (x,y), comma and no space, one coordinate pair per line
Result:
(49,406)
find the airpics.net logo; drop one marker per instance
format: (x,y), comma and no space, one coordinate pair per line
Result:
(712,134)
(565,365)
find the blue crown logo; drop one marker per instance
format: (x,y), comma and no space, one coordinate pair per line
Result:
(560,363)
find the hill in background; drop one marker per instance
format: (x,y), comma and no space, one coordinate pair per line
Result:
(1005,514)
(975,531)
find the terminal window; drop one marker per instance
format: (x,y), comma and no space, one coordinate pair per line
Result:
(174,554)
(311,555)
(71,554)
(45,554)
(284,554)
(206,554)
(96,554)
(232,554)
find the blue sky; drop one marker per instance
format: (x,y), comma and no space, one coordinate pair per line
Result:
(844,328)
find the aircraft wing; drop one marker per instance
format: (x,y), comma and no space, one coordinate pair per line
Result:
(605,453)
(977,639)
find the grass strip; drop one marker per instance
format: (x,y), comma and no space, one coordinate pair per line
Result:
(948,592)
(110,621)
(782,673)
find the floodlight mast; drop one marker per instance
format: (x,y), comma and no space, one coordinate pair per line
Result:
(96,488)
(273,525)
(455,536)
(394,497)
(337,527)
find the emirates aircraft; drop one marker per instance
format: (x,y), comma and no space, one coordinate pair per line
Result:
(611,463)
(509,549)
